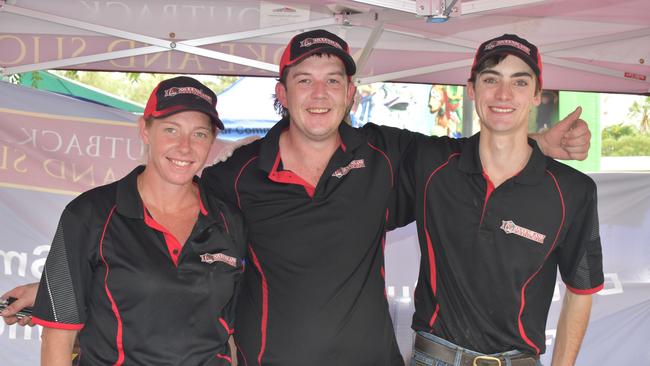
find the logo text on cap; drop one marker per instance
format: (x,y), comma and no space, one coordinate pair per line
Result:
(307,42)
(187,90)
(507,42)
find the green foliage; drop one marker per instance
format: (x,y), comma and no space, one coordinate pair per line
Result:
(641,110)
(36,78)
(15,78)
(137,86)
(617,131)
(636,145)
(625,140)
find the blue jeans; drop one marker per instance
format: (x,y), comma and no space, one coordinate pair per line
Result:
(420,358)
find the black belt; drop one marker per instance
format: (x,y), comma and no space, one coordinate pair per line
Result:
(448,355)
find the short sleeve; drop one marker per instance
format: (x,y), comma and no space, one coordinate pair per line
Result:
(66,276)
(580,255)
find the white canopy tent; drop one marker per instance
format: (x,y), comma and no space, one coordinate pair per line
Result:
(587,45)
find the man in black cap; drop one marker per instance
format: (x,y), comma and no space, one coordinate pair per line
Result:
(496,220)
(317,196)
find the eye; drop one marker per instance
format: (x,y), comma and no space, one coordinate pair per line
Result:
(333,81)
(170,130)
(489,80)
(201,134)
(304,81)
(521,82)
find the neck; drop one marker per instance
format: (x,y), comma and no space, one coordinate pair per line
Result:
(503,156)
(307,158)
(165,197)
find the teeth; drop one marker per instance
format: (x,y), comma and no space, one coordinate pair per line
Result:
(501,110)
(317,110)
(179,162)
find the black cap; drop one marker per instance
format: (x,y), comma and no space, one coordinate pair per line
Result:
(181,94)
(510,44)
(308,43)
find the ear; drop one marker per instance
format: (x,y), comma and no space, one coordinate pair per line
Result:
(470,90)
(352,91)
(281,93)
(143,131)
(537,98)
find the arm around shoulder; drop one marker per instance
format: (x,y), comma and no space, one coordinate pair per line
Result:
(569,139)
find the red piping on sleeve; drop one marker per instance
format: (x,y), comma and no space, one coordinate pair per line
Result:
(56,325)
(587,291)
(118,338)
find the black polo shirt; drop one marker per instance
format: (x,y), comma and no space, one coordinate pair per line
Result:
(314,292)
(134,293)
(490,256)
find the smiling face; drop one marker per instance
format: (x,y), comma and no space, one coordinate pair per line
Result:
(503,95)
(178,145)
(316,93)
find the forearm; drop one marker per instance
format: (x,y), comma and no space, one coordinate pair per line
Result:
(56,347)
(574,318)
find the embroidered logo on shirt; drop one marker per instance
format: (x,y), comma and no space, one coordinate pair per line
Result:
(510,227)
(354,164)
(219,257)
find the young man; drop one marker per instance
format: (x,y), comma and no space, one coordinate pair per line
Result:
(495,221)
(316,195)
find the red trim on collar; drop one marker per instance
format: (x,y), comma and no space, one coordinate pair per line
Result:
(289,177)
(174,247)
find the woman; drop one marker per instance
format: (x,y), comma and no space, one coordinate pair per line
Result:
(145,269)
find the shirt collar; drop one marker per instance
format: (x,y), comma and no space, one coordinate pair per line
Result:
(351,139)
(533,172)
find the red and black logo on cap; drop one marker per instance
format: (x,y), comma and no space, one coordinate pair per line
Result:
(313,42)
(181,94)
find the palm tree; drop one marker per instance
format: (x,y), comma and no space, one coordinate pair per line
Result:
(641,109)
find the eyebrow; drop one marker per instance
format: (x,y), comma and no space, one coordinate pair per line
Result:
(305,73)
(515,75)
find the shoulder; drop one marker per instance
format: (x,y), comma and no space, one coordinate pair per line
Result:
(572,182)
(239,158)
(100,198)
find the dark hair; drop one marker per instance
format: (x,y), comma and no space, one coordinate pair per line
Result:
(491,62)
(277,105)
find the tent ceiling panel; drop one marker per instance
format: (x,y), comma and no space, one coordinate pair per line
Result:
(594,45)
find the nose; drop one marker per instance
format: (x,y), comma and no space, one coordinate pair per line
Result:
(318,89)
(184,142)
(504,91)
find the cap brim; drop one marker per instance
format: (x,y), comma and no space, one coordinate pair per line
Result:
(214,116)
(521,55)
(348,61)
